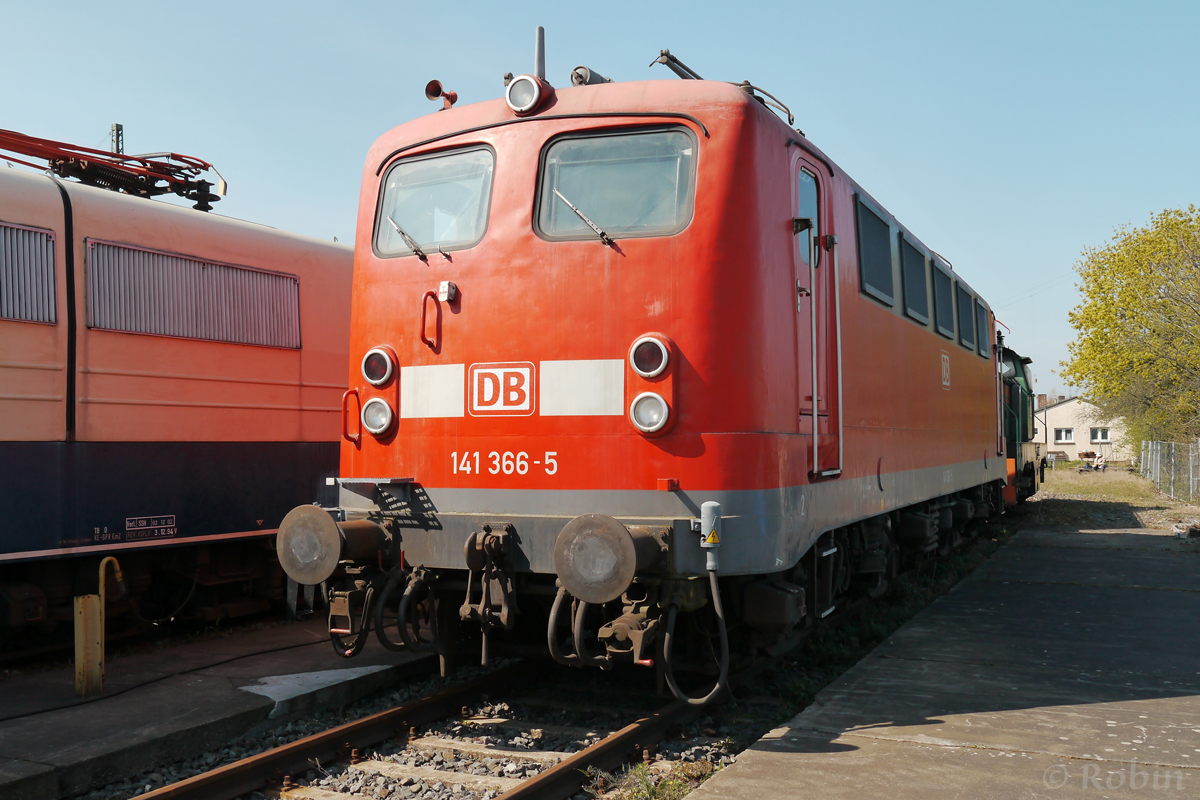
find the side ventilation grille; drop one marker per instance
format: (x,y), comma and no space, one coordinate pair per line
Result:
(27,274)
(146,291)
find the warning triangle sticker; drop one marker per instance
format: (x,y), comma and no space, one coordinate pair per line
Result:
(712,537)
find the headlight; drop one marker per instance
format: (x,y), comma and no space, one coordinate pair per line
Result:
(377,416)
(648,357)
(523,94)
(377,366)
(648,412)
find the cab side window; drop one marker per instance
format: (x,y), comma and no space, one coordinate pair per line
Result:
(807,210)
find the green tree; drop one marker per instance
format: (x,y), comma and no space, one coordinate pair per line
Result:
(1137,353)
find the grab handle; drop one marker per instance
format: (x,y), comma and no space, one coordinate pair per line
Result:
(424,338)
(355,438)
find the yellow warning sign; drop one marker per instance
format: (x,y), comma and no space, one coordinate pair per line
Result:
(712,537)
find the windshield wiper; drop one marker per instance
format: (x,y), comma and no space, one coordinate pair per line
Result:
(420,253)
(604,237)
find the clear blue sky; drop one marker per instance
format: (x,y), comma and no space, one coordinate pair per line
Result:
(1008,136)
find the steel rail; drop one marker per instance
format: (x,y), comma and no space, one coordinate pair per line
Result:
(567,776)
(556,783)
(255,772)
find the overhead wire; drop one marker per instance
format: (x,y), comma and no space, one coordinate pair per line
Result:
(1028,293)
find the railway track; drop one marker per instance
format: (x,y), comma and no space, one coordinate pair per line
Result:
(457,744)
(473,752)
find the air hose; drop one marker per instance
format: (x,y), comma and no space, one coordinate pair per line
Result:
(603,662)
(569,659)
(364,630)
(416,580)
(669,640)
(393,581)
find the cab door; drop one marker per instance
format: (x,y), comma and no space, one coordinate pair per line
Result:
(817,318)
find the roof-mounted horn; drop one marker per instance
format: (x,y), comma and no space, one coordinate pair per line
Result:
(433,90)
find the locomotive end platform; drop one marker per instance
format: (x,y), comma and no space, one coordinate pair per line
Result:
(1068,666)
(174,704)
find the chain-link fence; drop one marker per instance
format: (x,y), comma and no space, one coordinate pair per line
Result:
(1174,467)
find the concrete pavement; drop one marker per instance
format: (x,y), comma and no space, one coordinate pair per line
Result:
(1068,666)
(176,703)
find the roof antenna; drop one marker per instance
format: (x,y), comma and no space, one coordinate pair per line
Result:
(539,53)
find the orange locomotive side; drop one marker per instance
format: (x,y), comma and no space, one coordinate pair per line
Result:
(169,385)
(520,430)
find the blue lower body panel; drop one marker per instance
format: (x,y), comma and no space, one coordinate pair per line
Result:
(60,497)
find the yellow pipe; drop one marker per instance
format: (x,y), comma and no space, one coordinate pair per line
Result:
(121,586)
(89,635)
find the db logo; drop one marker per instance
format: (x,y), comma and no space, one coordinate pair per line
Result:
(945,369)
(505,388)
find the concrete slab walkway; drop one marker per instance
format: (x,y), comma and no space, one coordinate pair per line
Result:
(1068,666)
(176,703)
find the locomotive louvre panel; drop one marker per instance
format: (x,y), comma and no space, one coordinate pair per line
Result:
(439,201)
(628,183)
(135,290)
(27,274)
(874,253)
(916,290)
(966,321)
(943,302)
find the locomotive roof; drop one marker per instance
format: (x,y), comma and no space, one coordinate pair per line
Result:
(709,103)
(145,206)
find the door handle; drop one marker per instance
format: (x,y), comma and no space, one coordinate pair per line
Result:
(801,293)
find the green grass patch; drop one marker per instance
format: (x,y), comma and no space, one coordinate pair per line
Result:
(1112,486)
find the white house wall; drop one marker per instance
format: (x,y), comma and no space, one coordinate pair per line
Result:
(1080,418)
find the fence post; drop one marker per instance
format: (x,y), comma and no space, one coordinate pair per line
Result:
(1172,470)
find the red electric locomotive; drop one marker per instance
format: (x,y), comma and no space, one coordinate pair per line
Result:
(601,335)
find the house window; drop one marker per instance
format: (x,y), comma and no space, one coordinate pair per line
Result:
(1100,436)
(1064,435)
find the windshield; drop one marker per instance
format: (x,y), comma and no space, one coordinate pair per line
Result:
(628,184)
(438,201)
